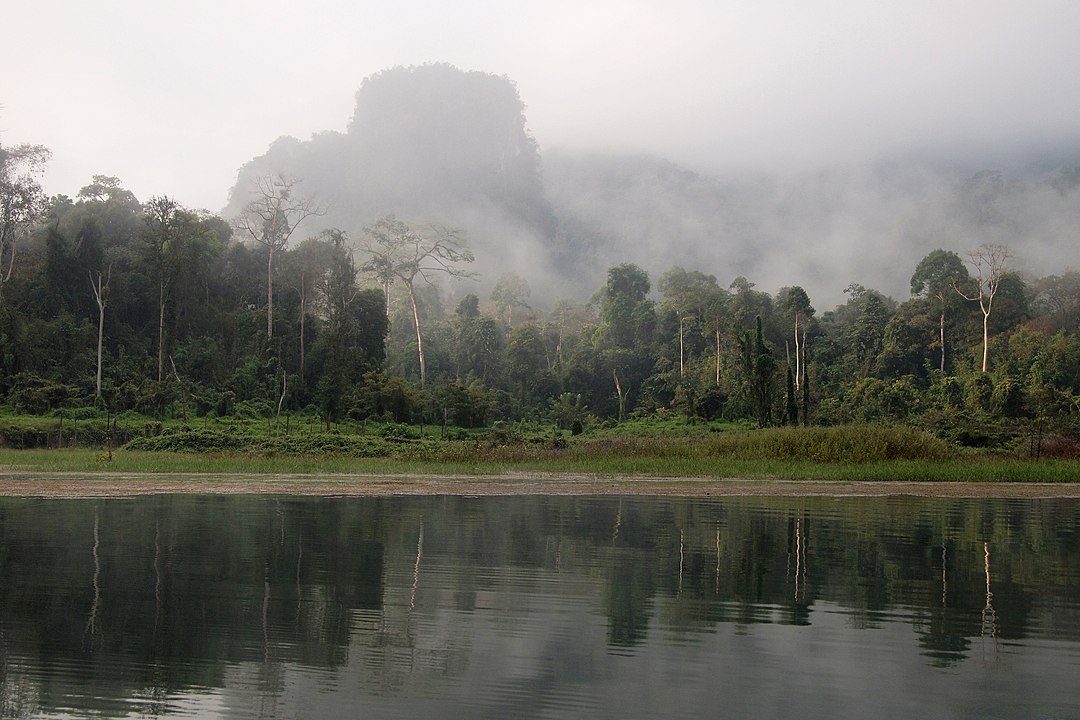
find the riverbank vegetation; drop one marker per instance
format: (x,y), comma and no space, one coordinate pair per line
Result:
(149,326)
(637,449)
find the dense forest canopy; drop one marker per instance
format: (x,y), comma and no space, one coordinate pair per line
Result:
(422,266)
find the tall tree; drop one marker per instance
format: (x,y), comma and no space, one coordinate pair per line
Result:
(796,303)
(760,368)
(717,318)
(936,276)
(161,240)
(627,329)
(22,200)
(270,218)
(686,293)
(412,253)
(510,292)
(989,262)
(101,293)
(866,336)
(356,327)
(176,243)
(306,265)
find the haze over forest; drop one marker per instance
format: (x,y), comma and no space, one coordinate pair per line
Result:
(820,143)
(434,143)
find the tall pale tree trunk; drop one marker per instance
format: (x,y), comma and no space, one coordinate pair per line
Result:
(270,294)
(941,337)
(717,358)
(419,333)
(798,355)
(99,297)
(161,331)
(303,312)
(986,340)
(682,368)
(621,393)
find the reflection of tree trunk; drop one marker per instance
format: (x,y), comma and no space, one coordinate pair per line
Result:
(91,623)
(944,578)
(989,616)
(798,555)
(681,545)
(416,567)
(717,587)
(800,561)
(157,575)
(299,559)
(618,523)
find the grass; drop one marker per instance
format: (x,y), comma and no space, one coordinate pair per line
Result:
(849,453)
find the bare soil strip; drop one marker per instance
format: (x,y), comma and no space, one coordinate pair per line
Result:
(92,484)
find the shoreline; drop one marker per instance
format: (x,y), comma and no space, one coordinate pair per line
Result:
(110,484)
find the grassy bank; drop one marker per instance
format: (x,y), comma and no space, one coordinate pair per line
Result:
(852,453)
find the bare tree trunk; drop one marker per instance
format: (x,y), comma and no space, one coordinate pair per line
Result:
(99,296)
(100,339)
(682,369)
(621,394)
(941,332)
(717,358)
(11,259)
(161,331)
(986,340)
(798,355)
(802,352)
(302,313)
(270,294)
(284,391)
(419,334)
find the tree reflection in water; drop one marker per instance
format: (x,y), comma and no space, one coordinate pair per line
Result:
(188,592)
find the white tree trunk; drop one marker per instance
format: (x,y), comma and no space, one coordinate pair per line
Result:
(270,294)
(717,358)
(941,338)
(419,334)
(161,331)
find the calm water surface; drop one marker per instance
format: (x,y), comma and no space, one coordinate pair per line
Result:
(539,607)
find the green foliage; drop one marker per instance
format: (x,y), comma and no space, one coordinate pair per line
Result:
(843,444)
(38,396)
(186,340)
(209,441)
(568,412)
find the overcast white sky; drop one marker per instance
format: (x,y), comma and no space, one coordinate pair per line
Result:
(172,97)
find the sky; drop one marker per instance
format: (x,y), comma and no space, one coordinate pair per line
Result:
(173,97)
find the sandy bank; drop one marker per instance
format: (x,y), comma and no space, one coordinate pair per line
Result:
(71,485)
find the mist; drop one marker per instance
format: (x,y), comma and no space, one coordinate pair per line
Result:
(829,128)
(434,143)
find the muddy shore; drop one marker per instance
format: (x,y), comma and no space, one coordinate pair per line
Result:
(75,485)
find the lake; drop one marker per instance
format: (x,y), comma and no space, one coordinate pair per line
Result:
(539,607)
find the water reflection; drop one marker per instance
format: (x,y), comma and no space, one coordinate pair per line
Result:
(546,607)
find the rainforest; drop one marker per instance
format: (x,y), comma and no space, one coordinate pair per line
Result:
(418,278)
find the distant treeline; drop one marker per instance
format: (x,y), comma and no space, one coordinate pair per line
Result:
(150,307)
